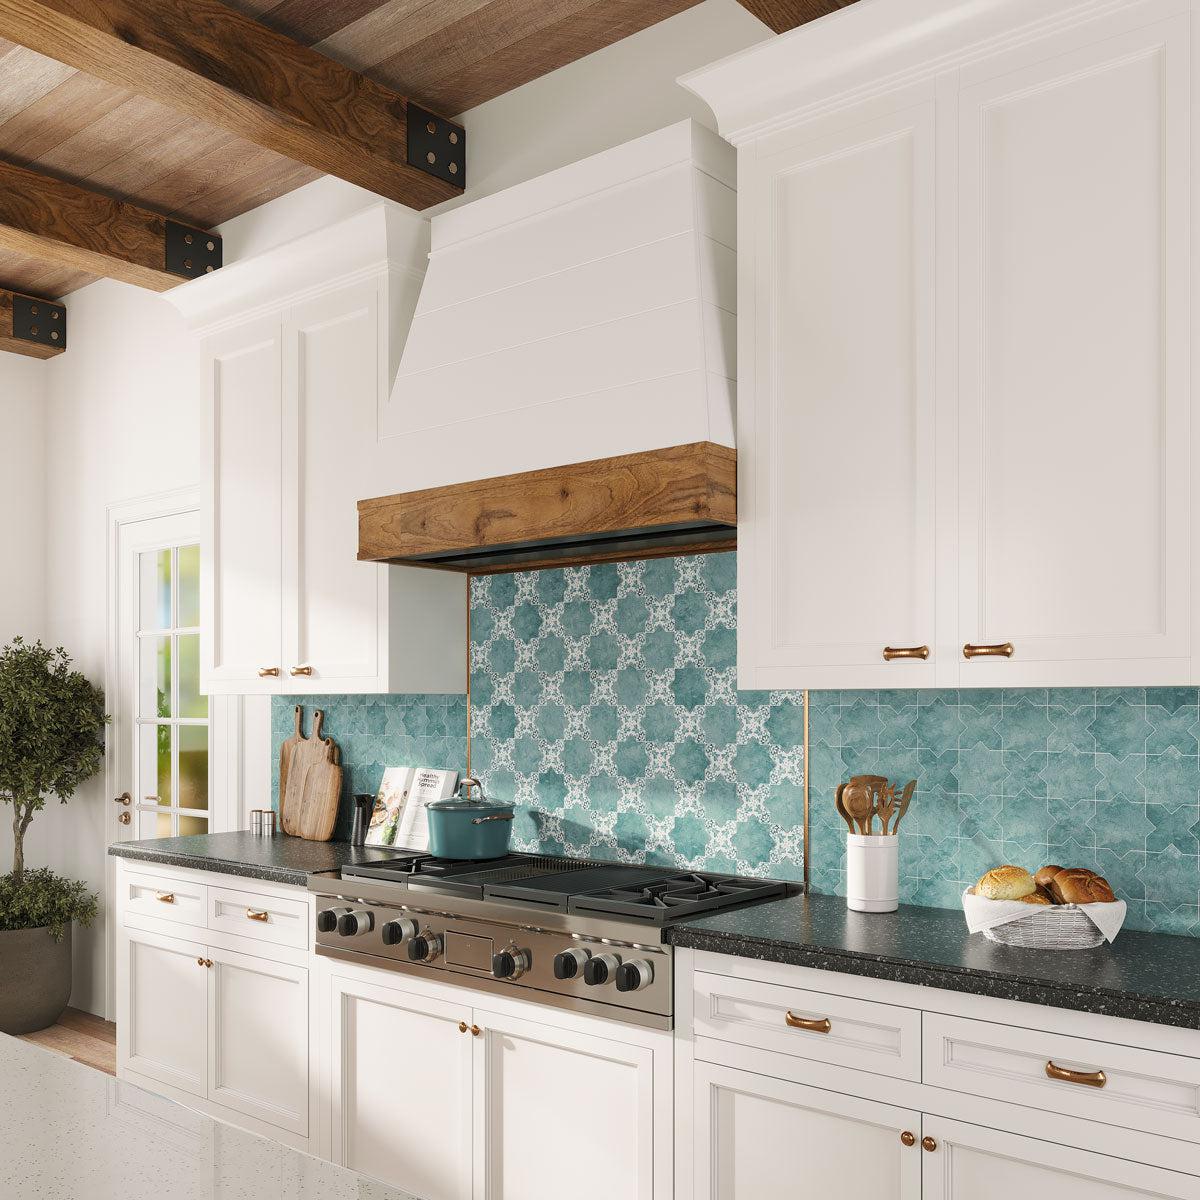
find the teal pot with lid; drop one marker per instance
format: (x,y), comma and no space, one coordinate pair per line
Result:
(469,827)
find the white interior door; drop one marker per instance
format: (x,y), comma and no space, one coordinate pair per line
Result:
(836,438)
(401,1088)
(972,1163)
(1075,386)
(333,604)
(258,1038)
(765,1139)
(242,575)
(162,1013)
(561,1113)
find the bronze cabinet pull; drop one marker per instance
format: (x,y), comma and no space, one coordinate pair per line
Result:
(165,897)
(812,1024)
(254,915)
(908,1138)
(301,671)
(998,650)
(267,672)
(199,962)
(928,1143)
(893,652)
(463,1027)
(475,1031)
(1096,1079)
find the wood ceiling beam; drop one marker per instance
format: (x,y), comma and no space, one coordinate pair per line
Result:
(31,326)
(70,226)
(207,60)
(782,15)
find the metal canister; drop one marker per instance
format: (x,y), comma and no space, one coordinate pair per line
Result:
(256,821)
(269,822)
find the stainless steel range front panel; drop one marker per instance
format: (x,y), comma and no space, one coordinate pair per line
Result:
(471,932)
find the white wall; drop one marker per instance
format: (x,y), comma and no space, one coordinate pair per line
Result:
(23,503)
(122,417)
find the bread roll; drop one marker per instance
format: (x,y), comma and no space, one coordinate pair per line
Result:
(1045,893)
(1081,886)
(1043,877)
(1006,883)
(1037,897)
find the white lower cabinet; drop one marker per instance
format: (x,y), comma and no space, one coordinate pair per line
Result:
(451,1101)
(758,1138)
(973,1163)
(1108,1113)
(400,1086)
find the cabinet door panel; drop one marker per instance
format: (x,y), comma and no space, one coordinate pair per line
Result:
(836,435)
(241,574)
(559,1112)
(1075,391)
(401,1089)
(763,1139)
(164,1033)
(334,606)
(972,1163)
(258,1038)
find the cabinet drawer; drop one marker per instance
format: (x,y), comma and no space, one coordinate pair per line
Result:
(830,1029)
(261,917)
(1142,1089)
(167,899)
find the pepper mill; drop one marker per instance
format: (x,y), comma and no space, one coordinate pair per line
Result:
(364,805)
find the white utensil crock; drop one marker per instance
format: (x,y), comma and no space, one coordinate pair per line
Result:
(872,872)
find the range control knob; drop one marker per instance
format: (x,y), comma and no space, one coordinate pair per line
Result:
(510,964)
(395,932)
(634,975)
(600,968)
(327,919)
(355,922)
(569,963)
(425,947)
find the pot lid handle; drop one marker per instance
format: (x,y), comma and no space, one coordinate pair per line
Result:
(463,791)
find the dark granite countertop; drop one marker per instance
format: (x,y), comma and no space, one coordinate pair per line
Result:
(1143,976)
(279,859)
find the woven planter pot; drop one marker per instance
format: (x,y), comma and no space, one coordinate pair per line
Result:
(36,975)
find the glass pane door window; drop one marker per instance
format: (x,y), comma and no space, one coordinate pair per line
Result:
(171,757)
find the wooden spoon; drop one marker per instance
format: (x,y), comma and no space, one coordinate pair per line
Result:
(841,787)
(885,805)
(902,807)
(858,801)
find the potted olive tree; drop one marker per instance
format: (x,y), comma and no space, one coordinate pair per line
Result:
(51,740)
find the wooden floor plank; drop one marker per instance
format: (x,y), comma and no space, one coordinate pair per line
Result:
(80,1036)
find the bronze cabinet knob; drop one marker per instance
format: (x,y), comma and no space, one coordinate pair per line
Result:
(928,1143)
(908,1138)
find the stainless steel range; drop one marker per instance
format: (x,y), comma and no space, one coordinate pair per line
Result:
(572,933)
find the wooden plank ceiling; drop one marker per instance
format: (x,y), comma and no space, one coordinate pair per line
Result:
(447,55)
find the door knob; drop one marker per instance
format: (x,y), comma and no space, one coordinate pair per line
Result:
(124,818)
(123,798)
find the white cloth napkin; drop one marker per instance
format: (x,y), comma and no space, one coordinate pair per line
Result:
(982,913)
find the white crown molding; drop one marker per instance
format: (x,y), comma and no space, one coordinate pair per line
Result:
(379,240)
(871,47)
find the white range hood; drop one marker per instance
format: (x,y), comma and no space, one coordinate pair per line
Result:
(584,314)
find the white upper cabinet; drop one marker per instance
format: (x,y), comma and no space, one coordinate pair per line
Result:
(300,347)
(241,565)
(1074,386)
(965,399)
(836,499)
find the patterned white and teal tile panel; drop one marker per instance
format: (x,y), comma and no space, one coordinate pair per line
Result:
(373,733)
(605,706)
(1092,777)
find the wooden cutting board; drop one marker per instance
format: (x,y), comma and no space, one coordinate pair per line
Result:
(321,792)
(306,752)
(285,762)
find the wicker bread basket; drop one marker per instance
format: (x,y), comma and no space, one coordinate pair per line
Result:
(1063,927)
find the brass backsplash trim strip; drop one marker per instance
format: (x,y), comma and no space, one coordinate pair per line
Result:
(806,791)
